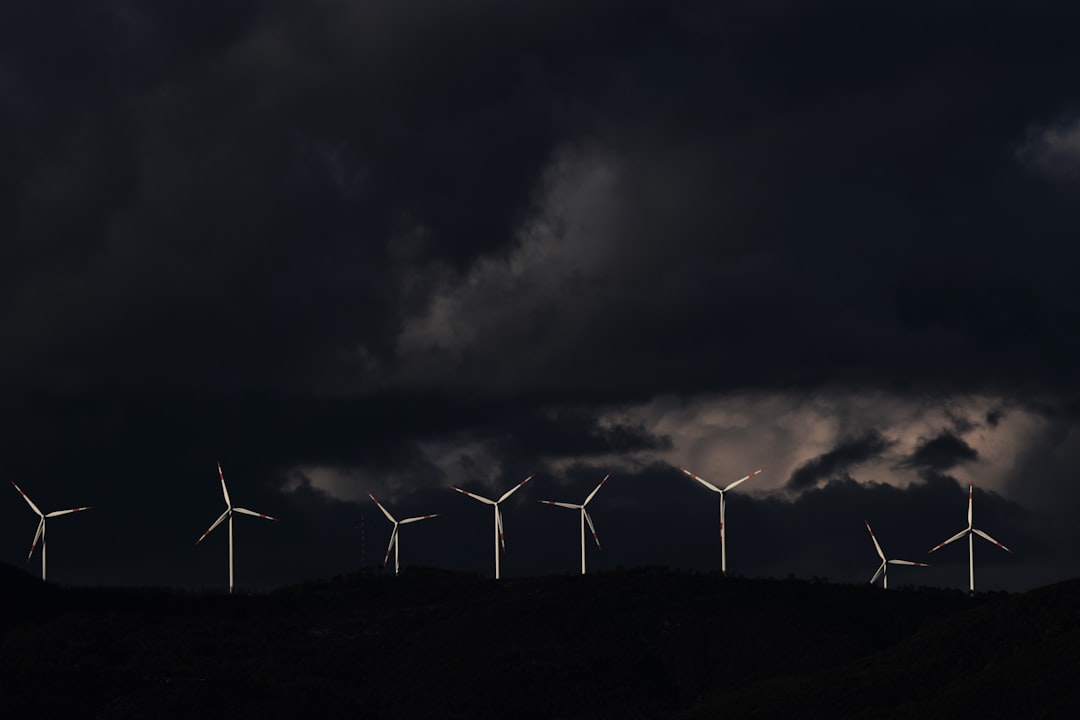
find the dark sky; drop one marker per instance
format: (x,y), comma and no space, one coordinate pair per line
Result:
(348,247)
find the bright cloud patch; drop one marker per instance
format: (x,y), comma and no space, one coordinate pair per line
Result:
(1053,150)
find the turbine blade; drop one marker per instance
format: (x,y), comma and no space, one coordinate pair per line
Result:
(37,536)
(211,529)
(561,504)
(406,521)
(880,570)
(593,493)
(954,538)
(67,512)
(28,500)
(971,494)
(252,513)
(983,535)
(224,490)
(474,496)
(592,527)
(876,546)
(744,479)
(384,510)
(704,482)
(393,539)
(514,489)
(908,562)
(502,535)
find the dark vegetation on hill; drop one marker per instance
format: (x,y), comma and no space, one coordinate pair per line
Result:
(640,643)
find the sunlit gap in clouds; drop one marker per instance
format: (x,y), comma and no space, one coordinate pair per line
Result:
(724,437)
(736,433)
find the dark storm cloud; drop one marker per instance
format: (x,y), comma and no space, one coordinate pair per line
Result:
(848,453)
(571,433)
(263,194)
(942,452)
(222,221)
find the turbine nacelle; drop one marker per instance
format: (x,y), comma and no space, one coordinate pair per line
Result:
(970,531)
(584,518)
(228,515)
(500,537)
(394,544)
(721,491)
(40,533)
(882,570)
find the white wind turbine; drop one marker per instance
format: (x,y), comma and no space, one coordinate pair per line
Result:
(723,504)
(883,571)
(229,510)
(394,535)
(970,531)
(499,537)
(584,518)
(40,534)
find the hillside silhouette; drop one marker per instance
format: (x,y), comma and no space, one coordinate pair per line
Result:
(639,643)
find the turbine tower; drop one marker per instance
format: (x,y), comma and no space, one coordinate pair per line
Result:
(971,531)
(229,510)
(723,504)
(499,536)
(394,535)
(584,518)
(40,534)
(883,570)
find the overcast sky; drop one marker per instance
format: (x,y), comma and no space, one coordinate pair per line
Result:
(346,246)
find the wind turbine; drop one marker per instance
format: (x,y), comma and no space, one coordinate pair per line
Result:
(40,534)
(229,510)
(394,535)
(970,531)
(499,537)
(584,518)
(719,491)
(883,570)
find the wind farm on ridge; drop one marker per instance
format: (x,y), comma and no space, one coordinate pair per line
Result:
(499,534)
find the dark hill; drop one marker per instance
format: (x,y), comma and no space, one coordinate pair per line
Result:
(643,643)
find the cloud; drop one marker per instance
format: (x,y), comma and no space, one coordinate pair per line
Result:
(1053,150)
(849,453)
(940,453)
